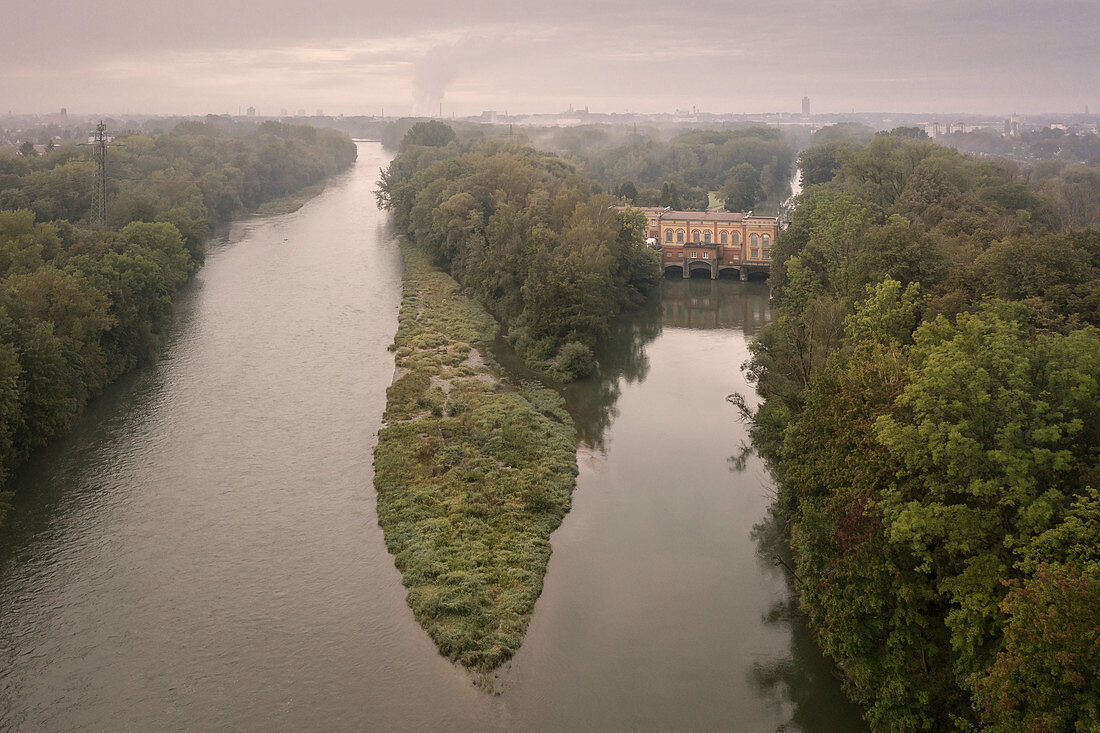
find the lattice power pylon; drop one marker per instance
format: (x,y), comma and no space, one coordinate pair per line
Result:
(99,186)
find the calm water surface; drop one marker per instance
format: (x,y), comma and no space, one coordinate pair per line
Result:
(202,552)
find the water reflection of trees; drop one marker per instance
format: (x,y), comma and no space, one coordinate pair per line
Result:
(706,303)
(693,303)
(804,679)
(621,359)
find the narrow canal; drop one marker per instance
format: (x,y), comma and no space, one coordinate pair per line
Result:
(202,552)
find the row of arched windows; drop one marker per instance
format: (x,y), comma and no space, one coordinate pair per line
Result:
(724,237)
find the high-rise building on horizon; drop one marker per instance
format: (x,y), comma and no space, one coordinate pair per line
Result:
(806,106)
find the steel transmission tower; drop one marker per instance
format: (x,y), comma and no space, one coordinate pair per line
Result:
(99,187)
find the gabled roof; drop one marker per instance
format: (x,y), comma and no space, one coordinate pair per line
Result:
(726,216)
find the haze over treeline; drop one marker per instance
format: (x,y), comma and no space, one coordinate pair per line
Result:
(358,58)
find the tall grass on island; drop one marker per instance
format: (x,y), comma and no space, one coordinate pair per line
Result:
(473,473)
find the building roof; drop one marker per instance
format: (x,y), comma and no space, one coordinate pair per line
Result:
(728,217)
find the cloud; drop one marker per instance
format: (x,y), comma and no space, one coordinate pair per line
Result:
(351,56)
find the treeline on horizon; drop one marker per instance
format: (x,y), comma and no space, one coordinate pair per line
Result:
(526,235)
(931,387)
(749,169)
(1052,144)
(80,305)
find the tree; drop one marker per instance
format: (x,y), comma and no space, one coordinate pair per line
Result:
(742,189)
(430,133)
(25,245)
(1047,677)
(996,433)
(162,243)
(628,191)
(818,163)
(670,196)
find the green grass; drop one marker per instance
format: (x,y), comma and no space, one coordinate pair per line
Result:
(472,474)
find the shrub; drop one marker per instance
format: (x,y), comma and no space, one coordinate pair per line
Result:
(576,360)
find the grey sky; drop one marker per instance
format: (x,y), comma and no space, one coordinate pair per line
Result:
(356,56)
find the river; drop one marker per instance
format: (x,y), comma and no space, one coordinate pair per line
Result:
(202,551)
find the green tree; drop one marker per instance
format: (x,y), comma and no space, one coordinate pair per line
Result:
(994,430)
(742,188)
(670,195)
(818,163)
(628,191)
(430,133)
(1047,677)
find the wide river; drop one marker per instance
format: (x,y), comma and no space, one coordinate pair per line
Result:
(202,551)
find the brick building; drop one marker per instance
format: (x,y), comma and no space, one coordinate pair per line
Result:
(711,240)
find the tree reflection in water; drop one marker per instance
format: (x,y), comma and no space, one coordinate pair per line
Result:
(696,303)
(805,679)
(621,359)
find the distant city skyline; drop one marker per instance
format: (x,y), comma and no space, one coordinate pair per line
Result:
(938,57)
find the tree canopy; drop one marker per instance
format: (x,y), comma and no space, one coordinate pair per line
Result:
(522,232)
(930,388)
(81,305)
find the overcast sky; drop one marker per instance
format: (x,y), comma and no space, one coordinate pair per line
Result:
(358,56)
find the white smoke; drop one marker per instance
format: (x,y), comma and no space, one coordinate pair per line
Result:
(444,63)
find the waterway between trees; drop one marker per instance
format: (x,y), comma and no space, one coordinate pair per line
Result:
(202,552)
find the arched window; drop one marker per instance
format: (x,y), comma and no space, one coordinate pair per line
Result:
(680,236)
(725,237)
(766,240)
(737,238)
(695,235)
(668,236)
(706,237)
(754,241)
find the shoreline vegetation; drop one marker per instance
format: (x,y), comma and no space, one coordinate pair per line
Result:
(82,303)
(291,202)
(537,245)
(931,385)
(473,473)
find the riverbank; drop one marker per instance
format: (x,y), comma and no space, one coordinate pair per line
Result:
(86,304)
(472,473)
(203,551)
(291,202)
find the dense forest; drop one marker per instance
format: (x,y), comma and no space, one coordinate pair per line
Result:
(749,168)
(931,388)
(524,233)
(81,304)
